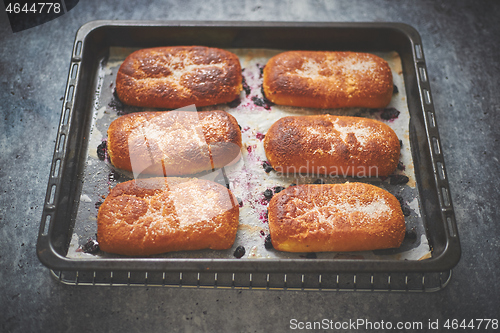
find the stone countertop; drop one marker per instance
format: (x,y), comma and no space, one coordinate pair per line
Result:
(460,43)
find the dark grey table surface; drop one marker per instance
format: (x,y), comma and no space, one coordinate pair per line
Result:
(461,45)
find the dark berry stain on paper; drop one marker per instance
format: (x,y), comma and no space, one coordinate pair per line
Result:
(399,179)
(246,87)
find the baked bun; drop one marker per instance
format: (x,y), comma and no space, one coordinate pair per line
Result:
(173,77)
(325,79)
(335,217)
(173,143)
(157,215)
(332,145)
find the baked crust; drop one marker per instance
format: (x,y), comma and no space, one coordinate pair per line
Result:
(332,145)
(158,215)
(335,217)
(326,79)
(173,143)
(173,77)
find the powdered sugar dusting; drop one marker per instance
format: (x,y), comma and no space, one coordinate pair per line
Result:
(191,207)
(327,212)
(348,66)
(362,133)
(356,65)
(309,69)
(373,208)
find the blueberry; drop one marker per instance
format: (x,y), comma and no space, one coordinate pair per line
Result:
(264,97)
(91,246)
(293,184)
(278,189)
(113,175)
(264,102)
(101,150)
(395,89)
(267,167)
(319,181)
(239,252)
(389,113)
(258,101)
(261,69)
(267,242)
(268,194)
(240,202)
(246,87)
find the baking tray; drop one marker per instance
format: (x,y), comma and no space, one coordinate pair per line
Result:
(91,49)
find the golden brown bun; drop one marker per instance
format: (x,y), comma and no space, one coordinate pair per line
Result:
(335,217)
(173,77)
(157,215)
(173,143)
(332,145)
(324,79)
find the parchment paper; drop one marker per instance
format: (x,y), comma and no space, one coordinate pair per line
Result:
(247,177)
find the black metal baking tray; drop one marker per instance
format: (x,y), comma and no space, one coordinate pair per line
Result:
(92,44)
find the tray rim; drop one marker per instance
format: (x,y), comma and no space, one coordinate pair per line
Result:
(52,259)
